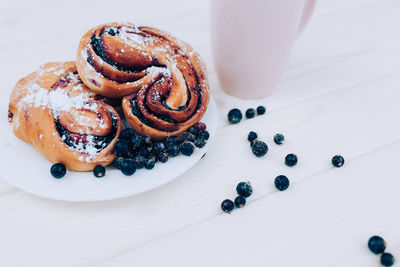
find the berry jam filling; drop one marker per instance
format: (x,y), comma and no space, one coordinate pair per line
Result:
(83,141)
(10,116)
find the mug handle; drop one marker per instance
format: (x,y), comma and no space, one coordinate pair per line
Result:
(307,12)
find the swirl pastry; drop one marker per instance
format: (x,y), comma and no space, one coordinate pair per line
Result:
(162,80)
(52,110)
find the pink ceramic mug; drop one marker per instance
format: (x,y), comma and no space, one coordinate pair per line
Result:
(252,41)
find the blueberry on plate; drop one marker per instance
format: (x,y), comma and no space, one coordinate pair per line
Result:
(146,140)
(162,157)
(144,151)
(260,110)
(376,244)
(244,189)
(291,160)
(173,150)
(171,140)
(251,136)
(58,170)
(200,141)
(234,116)
(182,137)
(118,162)
(259,148)
(240,201)
(205,134)
(139,161)
(128,167)
(250,113)
(187,148)
(190,137)
(136,141)
(158,147)
(122,147)
(281,182)
(279,139)
(387,259)
(337,161)
(202,126)
(149,164)
(227,205)
(99,171)
(194,130)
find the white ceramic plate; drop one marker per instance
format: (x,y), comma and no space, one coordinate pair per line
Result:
(25,168)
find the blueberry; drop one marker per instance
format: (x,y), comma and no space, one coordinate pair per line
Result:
(190,137)
(99,171)
(171,140)
(338,161)
(158,147)
(182,137)
(200,142)
(162,157)
(279,139)
(113,32)
(122,147)
(139,161)
(260,110)
(202,126)
(387,259)
(127,134)
(152,157)
(118,162)
(187,148)
(144,151)
(250,113)
(291,160)
(194,130)
(259,148)
(251,136)
(281,182)
(227,205)
(235,116)
(240,201)
(173,150)
(149,164)
(128,167)
(146,140)
(58,170)
(376,244)
(205,134)
(244,189)
(136,141)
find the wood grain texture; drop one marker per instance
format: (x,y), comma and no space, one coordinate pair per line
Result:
(340,94)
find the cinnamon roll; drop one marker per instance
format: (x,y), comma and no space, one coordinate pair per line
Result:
(52,110)
(162,80)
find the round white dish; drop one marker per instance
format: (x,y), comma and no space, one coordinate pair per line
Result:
(26,169)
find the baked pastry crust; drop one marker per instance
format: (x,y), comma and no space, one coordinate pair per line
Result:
(52,110)
(163,82)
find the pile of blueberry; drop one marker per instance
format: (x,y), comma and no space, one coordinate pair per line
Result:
(235,115)
(259,148)
(377,245)
(136,151)
(244,190)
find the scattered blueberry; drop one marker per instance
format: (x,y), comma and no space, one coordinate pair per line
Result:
(205,134)
(194,130)
(279,139)
(147,140)
(235,116)
(227,205)
(281,182)
(200,141)
(173,150)
(250,113)
(127,134)
(158,147)
(99,171)
(260,110)
(387,259)
(190,137)
(240,201)
(338,161)
(202,126)
(251,136)
(128,167)
(187,148)
(136,141)
(244,189)
(121,147)
(171,140)
(182,137)
(162,157)
(149,163)
(259,148)
(376,244)
(291,160)
(118,162)
(144,151)
(58,170)
(139,161)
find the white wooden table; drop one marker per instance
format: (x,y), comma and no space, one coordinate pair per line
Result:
(339,95)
